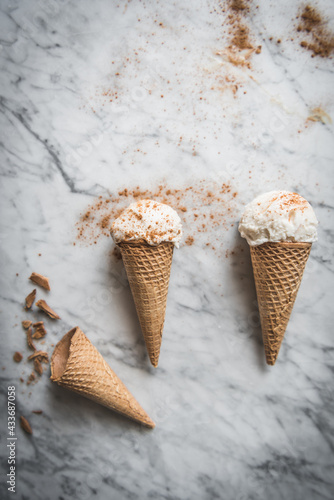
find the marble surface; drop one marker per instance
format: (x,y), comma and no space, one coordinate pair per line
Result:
(228,426)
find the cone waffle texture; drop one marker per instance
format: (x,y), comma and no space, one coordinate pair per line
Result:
(148,268)
(278,271)
(77,365)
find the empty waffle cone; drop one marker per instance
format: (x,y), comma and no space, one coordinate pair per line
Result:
(148,269)
(278,270)
(77,365)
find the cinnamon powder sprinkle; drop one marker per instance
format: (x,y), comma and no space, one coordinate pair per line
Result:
(189,241)
(204,206)
(238,31)
(318,39)
(288,200)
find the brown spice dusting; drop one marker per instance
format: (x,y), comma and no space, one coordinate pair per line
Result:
(17,357)
(238,31)
(238,5)
(240,47)
(288,201)
(189,241)
(105,223)
(26,323)
(204,199)
(240,38)
(47,309)
(30,299)
(319,39)
(25,425)
(40,280)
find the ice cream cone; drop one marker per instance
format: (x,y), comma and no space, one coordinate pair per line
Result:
(278,270)
(77,365)
(148,270)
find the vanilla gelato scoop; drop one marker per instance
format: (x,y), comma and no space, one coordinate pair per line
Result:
(150,221)
(278,216)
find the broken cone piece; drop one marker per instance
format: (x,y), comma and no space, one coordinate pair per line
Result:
(25,425)
(29,339)
(38,366)
(17,357)
(26,323)
(41,355)
(30,299)
(47,309)
(77,365)
(40,331)
(40,280)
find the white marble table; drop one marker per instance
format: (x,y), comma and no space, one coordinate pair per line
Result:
(228,426)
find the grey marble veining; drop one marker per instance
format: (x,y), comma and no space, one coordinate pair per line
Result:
(228,426)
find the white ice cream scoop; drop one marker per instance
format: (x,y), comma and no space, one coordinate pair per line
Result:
(278,216)
(150,221)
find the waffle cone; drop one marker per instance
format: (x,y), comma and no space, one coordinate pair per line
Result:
(77,365)
(148,269)
(278,270)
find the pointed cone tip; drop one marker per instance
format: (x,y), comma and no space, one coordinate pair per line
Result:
(151,424)
(154,362)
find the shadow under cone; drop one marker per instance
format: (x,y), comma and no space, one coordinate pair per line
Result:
(148,269)
(77,365)
(278,270)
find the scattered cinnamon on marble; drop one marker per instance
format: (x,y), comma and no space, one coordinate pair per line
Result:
(317,37)
(203,206)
